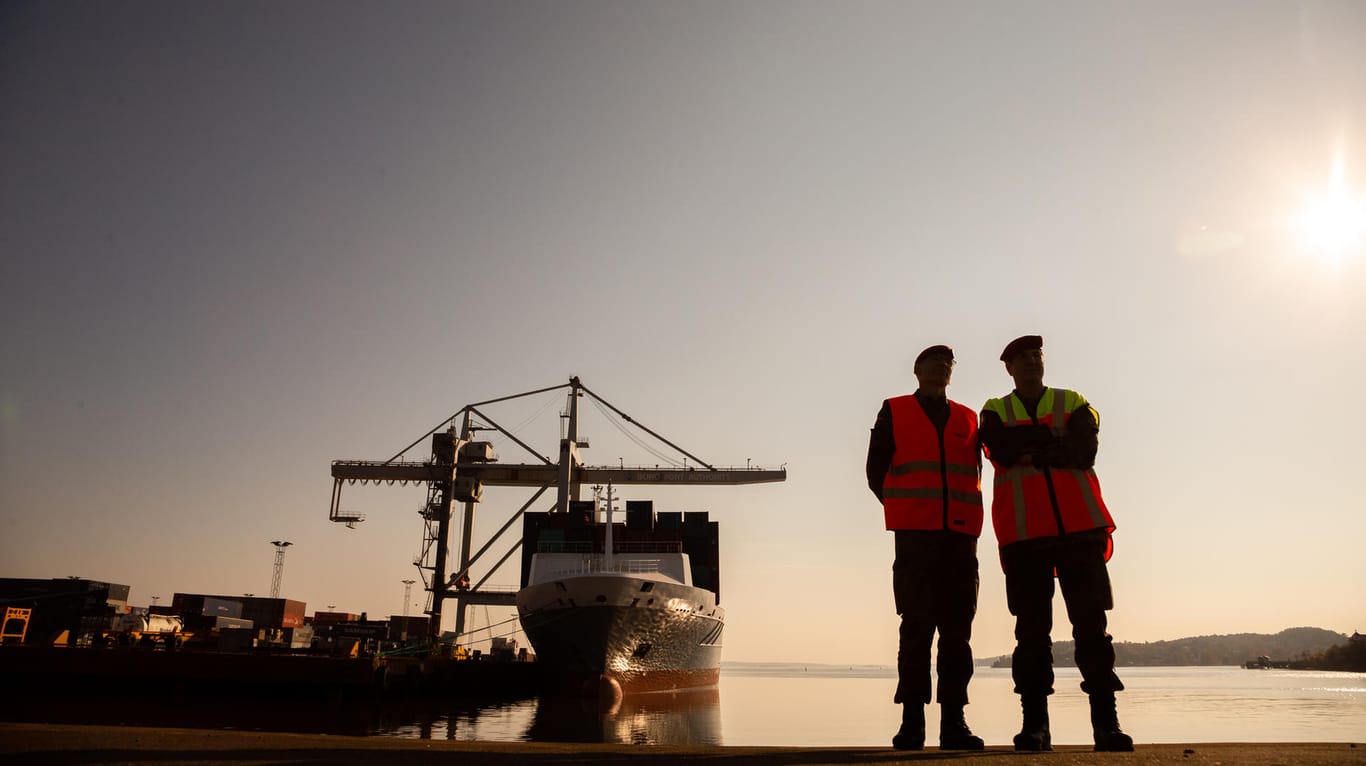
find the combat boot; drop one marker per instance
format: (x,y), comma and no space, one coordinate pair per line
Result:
(954,733)
(1034,735)
(1105,725)
(912,733)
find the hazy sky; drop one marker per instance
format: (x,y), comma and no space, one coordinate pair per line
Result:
(241,240)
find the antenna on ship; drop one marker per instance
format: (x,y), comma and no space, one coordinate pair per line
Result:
(607,541)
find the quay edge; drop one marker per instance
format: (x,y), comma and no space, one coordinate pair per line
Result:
(55,673)
(57,743)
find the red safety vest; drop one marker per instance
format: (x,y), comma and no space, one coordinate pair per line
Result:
(933,482)
(1021,506)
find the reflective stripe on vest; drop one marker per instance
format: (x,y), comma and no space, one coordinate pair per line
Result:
(934,493)
(921,492)
(1020,493)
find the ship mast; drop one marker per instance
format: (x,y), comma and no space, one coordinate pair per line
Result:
(607,552)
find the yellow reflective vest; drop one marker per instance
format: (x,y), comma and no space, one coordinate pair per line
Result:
(1029,502)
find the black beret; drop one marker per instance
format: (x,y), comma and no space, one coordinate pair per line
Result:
(945,350)
(1022,343)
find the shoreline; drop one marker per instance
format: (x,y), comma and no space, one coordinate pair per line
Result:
(76,744)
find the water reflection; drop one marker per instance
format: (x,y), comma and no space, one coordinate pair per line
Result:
(664,718)
(454,719)
(661,718)
(794,706)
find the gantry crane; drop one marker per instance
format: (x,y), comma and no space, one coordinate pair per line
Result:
(460,468)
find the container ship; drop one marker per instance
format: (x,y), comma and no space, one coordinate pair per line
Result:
(619,608)
(608,607)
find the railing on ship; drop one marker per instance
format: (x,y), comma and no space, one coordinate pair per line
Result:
(618,546)
(593,564)
(589,562)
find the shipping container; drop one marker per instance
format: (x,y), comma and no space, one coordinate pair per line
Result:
(640,514)
(262,612)
(231,623)
(300,637)
(321,619)
(78,606)
(416,627)
(118,594)
(195,605)
(370,629)
(222,607)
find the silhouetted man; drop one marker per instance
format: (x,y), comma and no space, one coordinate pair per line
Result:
(1049,518)
(925,467)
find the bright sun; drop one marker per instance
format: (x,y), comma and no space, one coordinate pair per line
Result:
(1333,225)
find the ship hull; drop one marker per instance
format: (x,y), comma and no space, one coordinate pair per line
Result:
(602,633)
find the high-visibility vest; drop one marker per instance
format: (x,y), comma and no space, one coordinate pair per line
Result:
(1029,502)
(934,481)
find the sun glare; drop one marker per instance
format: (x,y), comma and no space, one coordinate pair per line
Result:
(1333,225)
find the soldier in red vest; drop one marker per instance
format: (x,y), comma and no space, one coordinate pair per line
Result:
(1051,521)
(925,466)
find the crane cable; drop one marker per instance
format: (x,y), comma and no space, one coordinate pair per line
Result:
(500,635)
(642,444)
(549,400)
(488,627)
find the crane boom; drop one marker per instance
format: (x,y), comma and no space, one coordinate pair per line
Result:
(539,475)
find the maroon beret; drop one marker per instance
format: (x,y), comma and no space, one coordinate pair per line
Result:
(932,350)
(1022,343)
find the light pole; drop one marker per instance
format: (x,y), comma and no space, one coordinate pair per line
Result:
(279,570)
(407,594)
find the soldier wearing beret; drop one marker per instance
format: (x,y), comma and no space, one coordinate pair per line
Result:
(925,466)
(1051,521)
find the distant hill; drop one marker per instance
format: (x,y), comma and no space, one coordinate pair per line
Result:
(1233,649)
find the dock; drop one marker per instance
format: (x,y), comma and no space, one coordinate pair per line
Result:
(46,672)
(61,744)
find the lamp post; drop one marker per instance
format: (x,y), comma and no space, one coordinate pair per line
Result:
(278,573)
(407,594)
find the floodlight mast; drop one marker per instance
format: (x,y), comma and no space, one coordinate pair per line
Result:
(278,573)
(407,596)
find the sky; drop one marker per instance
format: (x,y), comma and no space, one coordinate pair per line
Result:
(241,240)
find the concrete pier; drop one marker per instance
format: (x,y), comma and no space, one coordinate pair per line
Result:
(60,744)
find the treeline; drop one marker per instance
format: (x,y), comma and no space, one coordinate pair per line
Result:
(1303,647)
(1349,656)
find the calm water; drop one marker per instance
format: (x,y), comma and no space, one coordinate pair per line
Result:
(815,705)
(799,705)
